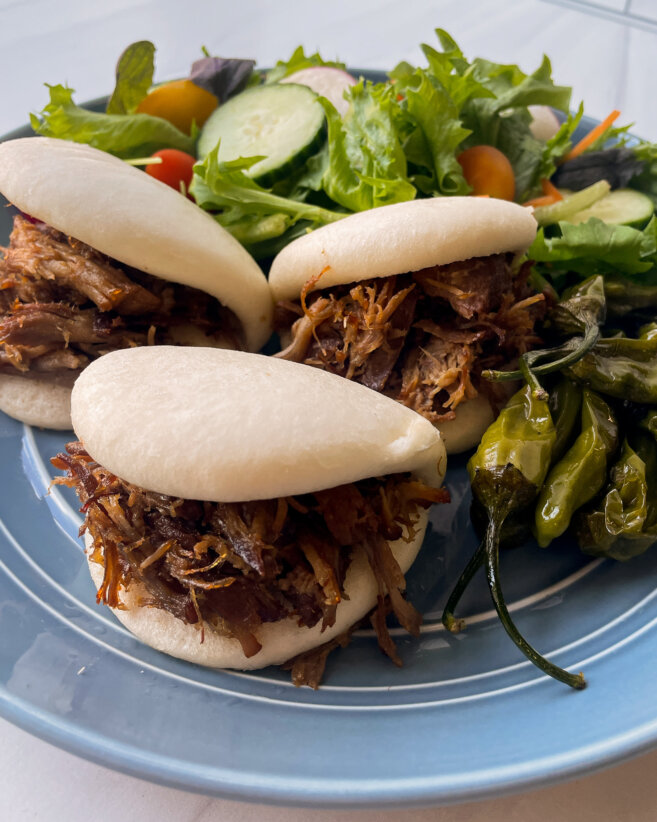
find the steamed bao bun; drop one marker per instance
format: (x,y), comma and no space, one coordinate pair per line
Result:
(228,426)
(407,237)
(135,219)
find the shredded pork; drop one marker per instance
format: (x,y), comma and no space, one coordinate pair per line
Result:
(422,338)
(234,566)
(62,304)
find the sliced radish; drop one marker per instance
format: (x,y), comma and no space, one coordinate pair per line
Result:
(327,81)
(544,124)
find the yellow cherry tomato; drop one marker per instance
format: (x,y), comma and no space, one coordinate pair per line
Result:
(488,171)
(180,102)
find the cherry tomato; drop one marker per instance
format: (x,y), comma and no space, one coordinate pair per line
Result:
(180,102)
(488,171)
(175,168)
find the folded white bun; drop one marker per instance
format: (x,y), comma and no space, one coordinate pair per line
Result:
(405,237)
(212,424)
(398,238)
(134,218)
(229,426)
(43,403)
(280,640)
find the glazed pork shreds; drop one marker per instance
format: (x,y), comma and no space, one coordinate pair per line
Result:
(62,304)
(234,566)
(421,338)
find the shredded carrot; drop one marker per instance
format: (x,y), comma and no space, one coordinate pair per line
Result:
(592,136)
(550,190)
(547,199)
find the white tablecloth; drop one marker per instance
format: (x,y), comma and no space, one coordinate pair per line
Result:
(77,42)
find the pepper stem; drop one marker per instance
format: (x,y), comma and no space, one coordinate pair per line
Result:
(538,392)
(491,543)
(566,354)
(449,620)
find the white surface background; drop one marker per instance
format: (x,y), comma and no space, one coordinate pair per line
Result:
(78,42)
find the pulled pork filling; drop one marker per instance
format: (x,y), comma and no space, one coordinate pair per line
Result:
(234,566)
(422,338)
(62,304)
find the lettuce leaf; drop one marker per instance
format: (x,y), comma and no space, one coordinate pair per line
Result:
(595,247)
(366,164)
(134,76)
(252,214)
(434,135)
(125,135)
(428,117)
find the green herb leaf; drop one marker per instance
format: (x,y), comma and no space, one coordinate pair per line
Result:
(134,76)
(124,135)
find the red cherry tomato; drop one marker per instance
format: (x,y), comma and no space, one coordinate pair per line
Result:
(175,168)
(488,171)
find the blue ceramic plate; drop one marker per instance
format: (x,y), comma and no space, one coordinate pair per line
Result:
(467,716)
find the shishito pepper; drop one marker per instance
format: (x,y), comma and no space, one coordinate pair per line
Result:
(623,524)
(625,295)
(580,473)
(621,367)
(577,316)
(506,473)
(565,404)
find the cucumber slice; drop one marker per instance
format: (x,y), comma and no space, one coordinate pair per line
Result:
(571,204)
(282,123)
(624,206)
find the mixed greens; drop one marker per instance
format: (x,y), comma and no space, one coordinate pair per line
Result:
(408,137)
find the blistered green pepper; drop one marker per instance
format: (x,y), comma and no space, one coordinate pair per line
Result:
(621,367)
(623,524)
(580,473)
(577,316)
(565,404)
(625,295)
(648,331)
(506,473)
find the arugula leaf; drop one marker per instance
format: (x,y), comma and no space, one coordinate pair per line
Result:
(366,163)
(594,247)
(125,135)
(134,76)
(299,60)
(251,213)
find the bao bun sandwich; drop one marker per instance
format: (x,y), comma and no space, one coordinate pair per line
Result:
(103,257)
(242,510)
(414,300)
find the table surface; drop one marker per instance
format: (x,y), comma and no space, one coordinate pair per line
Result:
(609,66)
